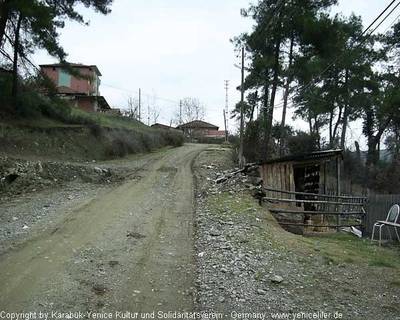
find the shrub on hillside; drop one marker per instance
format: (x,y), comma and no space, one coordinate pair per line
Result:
(173,139)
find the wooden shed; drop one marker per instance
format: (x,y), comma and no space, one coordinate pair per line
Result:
(296,189)
(301,173)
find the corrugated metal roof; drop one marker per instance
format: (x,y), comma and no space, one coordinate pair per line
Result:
(308,156)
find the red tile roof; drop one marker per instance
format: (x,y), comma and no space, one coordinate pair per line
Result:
(161,126)
(198,124)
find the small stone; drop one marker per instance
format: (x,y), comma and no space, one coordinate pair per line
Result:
(38,166)
(98,170)
(276,279)
(70,197)
(261,292)
(221,299)
(215,233)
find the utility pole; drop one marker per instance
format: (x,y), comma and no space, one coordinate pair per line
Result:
(226,131)
(241,164)
(148,115)
(180,112)
(139,105)
(226,116)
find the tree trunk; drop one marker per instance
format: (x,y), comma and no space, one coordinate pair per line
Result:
(331,129)
(358,152)
(344,127)
(265,118)
(318,135)
(374,141)
(310,124)
(270,114)
(337,124)
(372,153)
(253,106)
(286,96)
(345,112)
(14,91)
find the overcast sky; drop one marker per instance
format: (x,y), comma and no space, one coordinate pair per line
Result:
(175,49)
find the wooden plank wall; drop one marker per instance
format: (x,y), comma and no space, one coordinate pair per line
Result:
(279,176)
(377,208)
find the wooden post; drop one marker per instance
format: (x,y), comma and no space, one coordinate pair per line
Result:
(325,188)
(339,219)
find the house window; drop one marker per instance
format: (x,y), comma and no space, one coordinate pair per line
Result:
(64,79)
(54,68)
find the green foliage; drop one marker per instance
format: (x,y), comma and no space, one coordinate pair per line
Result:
(381,262)
(354,168)
(5,89)
(29,25)
(40,19)
(334,74)
(253,139)
(302,142)
(124,142)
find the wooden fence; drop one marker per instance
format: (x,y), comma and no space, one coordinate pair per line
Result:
(322,204)
(367,210)
(377,209)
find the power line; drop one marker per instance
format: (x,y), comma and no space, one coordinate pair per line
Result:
(393,22)
(226,111)
(268,23)
(348,48)
(143,94)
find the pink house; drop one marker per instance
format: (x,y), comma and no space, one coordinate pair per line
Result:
(81,93)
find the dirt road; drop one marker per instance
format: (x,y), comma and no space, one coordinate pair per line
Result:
(129,248)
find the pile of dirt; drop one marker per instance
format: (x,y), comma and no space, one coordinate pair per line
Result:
(20,176)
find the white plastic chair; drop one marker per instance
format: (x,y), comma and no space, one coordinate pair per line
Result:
(390,221)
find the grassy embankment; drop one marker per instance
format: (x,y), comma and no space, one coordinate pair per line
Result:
(78,135)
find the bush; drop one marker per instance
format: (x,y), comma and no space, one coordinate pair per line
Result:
(96,130)
(173,139)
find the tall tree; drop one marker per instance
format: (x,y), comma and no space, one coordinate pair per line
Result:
(189,110)
(44,11)
(39,20)
(336,72)
(382,109)
(279,25)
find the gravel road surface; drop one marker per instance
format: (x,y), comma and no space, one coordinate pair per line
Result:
(115,249)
